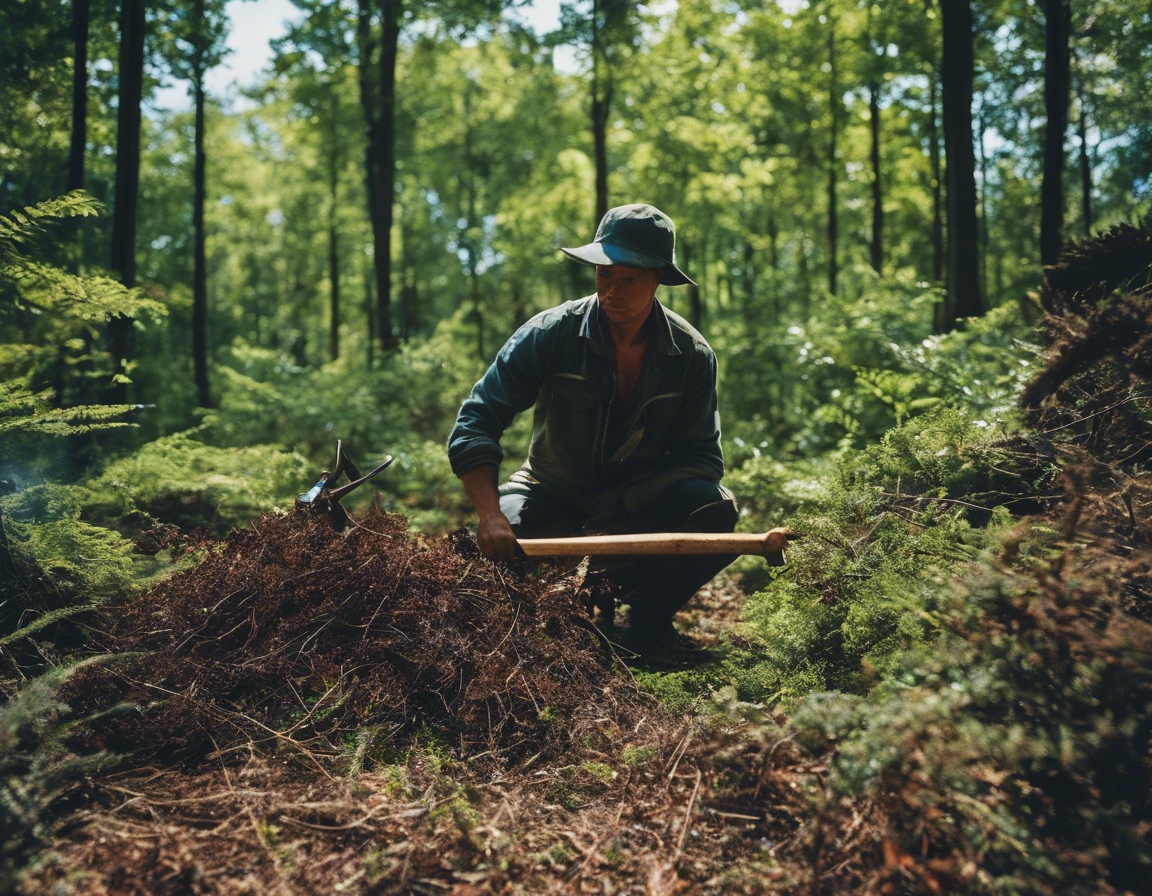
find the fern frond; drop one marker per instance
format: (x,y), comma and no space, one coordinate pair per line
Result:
(44,621)
(89,298)
(19,226)
(22,411)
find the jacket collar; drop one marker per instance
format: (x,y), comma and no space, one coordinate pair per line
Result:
(592,329)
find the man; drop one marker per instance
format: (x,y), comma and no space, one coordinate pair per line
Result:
(626,433)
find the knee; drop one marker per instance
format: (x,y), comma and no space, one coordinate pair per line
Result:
(709,506)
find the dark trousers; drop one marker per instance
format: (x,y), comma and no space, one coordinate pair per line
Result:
(656,587)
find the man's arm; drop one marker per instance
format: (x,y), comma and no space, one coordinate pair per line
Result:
(511,385)
(494,534)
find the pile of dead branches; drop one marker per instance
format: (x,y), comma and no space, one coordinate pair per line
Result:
(1096,389)
(290,635)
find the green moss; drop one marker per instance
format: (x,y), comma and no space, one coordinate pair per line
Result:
(635,757)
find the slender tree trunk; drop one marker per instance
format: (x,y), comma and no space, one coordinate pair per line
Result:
(833,136)
(956,76)
(748,279)
(1085,158)
(937,182)
(982,221)
(601,110)
(378,97)
(200,265)
(877,184)
(370,317)
(79,94)
(695,301)
(123,260)
(1057,25)
(365,45)
(333,232)
(389,50)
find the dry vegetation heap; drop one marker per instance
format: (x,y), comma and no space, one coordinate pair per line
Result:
(365,712)
(292,635)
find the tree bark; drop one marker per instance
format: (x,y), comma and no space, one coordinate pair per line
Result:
(937,183)
(200,262)
(877,185)
(378,98)
(601,110)
(695,299)
(123,259)
(833,100)
(1085,158)
(333,232)
(1057,25)
(389,50)
(964,298)
(80,16)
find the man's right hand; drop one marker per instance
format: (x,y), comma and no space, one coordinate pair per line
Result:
(494,535)
(496,539)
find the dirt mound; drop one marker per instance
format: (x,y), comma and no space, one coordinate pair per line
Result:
(291,635)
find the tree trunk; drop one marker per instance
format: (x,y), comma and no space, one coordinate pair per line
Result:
(79,94)
(378,97)
(199,264)
(956,75)
(601,110)
(370,317)
(937,183)
(389,48)
(333,232)
(1085,158)
(1057,25)
(471,224)
(982,201)
(877,187)
(123,260)
(833,102)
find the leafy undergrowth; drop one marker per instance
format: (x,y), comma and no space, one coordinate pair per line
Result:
(1011,752)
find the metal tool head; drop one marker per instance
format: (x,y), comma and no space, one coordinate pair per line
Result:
(324,498)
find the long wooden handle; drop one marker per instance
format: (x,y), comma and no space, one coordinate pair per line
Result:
(665,543)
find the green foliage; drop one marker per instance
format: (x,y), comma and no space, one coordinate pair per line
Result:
(29,288)
(91,560)
(50,320)
(878,543)
(178,479)
(859,367)
(37,768)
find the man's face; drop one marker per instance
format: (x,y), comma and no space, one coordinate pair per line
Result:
(625,293)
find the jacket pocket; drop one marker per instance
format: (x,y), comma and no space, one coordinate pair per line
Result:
(573,393)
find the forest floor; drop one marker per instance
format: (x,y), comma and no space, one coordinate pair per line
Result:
(621,795)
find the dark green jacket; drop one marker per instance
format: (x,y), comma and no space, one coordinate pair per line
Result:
(562,362)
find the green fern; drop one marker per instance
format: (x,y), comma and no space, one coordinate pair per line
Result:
(27,223)
(37,768)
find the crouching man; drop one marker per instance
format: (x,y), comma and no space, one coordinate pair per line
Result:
(626,432)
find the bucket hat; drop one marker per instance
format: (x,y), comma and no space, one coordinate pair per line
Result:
(639,236)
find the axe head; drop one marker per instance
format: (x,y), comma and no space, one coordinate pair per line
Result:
(324,497)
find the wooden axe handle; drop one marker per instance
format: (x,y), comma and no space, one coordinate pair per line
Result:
(664,543)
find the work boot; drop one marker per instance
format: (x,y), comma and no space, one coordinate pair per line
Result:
(660,646)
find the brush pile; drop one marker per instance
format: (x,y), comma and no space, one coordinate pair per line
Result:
(291,635)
